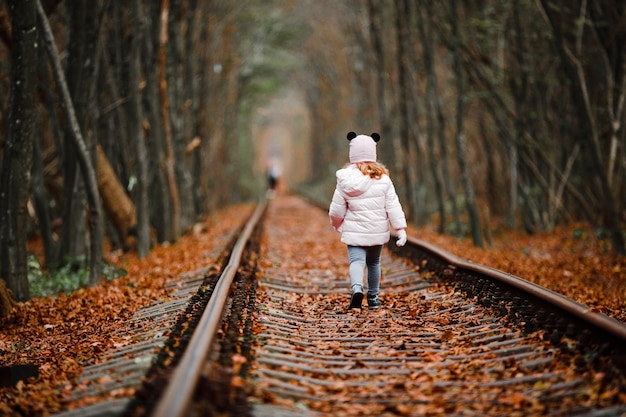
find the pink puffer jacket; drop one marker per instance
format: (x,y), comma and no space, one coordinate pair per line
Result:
(362,208)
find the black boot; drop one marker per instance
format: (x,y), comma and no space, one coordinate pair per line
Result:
(373,301)
(357,296)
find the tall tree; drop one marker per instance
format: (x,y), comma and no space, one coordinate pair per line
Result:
(160,207)
(169,161)
(80,77)
(374,15)
(460,140)
(402,147)
(434,121)
(136,130)
(15,183)
(189,149)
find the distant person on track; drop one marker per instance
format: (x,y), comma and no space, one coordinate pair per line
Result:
(363,205)
(273,176)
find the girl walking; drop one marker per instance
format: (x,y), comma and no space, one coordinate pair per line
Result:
(363,205)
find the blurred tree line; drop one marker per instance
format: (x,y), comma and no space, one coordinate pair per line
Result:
(121,122)
(509,110)
(130,120)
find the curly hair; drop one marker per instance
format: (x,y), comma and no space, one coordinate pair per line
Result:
(374,169)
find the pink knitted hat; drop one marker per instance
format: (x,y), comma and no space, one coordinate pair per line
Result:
(362,147)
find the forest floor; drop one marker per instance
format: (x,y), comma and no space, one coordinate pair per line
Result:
(63,333)
(569,260)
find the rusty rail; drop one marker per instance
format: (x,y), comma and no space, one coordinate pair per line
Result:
(175,400)
(455,268)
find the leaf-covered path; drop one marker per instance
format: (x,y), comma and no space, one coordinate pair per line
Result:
(62,334)
(426,352)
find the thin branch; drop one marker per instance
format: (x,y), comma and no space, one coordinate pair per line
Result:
(84,160)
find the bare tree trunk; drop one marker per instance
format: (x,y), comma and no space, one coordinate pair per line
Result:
(442,145)
(416,143)
(373,7)
(18,149)
(160,206)
(52,153)
(426,36)
(114,139)
(88,171)
(165,114)
(179,60)
(141,199)
(173,58)
(490,168)
(118,206)
(219,139)
(40,195)
(518,86)
(80,73)
(40,202)
(461,145)
(193,88)
(202,122)
(402,148)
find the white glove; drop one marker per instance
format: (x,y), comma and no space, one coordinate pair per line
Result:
(401,237)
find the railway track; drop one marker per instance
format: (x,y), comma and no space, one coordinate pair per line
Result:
(452,338)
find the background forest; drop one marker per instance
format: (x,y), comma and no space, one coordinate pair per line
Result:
(128,122)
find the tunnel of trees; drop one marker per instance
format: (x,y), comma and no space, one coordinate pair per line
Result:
(127,122)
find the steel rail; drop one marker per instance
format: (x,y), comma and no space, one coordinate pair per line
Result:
(176,398)
(609,325)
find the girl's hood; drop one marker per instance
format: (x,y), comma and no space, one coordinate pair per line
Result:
(352,182)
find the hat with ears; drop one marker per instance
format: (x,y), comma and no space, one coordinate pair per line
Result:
(362,147)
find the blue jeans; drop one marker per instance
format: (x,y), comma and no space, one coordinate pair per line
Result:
(360,257)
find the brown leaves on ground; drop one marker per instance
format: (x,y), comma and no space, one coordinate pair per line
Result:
(569,260)
(63,334)
(313,353)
